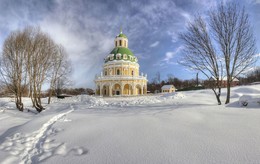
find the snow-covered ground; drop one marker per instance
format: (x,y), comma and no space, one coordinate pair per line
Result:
(184,127)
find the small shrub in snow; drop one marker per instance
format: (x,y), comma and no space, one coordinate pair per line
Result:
(244,103)
(247,100)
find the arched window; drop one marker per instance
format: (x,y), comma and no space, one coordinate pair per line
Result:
(118,72)
(125,56)
(105,73)
(111,57)
(120,42)
(132,73)
(118,56)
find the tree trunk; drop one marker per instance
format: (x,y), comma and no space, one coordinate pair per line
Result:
(217,95)
(38,105)
(218,99)
(50,94)
(228,92)
(19,104)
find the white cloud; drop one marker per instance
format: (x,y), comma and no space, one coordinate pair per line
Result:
(85,43)
(154,44)
(208,3)
(256,1)
(173,35)
(169,55)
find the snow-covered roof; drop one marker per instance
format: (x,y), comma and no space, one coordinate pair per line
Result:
(167,87)
(234,79)
(225,78)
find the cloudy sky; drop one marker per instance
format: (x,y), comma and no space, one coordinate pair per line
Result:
(87,28)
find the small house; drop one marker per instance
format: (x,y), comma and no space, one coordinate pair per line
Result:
(234,82)
(168,89)
(223,83)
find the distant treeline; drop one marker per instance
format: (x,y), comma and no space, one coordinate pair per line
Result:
(4,92)
(194,84)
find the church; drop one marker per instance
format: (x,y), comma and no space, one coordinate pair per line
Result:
(120,75)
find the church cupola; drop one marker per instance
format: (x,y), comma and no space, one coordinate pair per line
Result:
(121,40)
(121,50)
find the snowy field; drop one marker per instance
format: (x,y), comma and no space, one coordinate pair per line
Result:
(185,127)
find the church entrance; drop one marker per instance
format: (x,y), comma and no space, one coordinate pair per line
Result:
(117,89)
(105,90)
(127,90)
(138,90)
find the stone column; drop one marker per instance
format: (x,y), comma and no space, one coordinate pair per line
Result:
(122,90)
(114,69)
(100,91)
(110,90)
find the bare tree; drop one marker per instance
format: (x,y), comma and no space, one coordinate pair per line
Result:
(28,57)
(157,78)
(170,78)
(62,83)
(42,50)
(199,53)
(233,35)
(60,68)
(225,43)
(13,65)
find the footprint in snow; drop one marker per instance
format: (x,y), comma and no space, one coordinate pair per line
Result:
(78,151)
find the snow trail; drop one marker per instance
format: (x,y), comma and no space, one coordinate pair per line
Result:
(35,140)
(35,147)
(3,118)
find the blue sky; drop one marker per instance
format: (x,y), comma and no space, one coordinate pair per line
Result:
(87,30)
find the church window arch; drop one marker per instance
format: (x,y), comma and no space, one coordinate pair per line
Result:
(120,42)
(111,57)
(118,56)
(133,72)
(124,56)
(118,72)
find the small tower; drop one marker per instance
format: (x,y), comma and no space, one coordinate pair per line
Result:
(121,40)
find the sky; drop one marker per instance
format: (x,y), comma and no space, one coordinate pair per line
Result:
(87,28)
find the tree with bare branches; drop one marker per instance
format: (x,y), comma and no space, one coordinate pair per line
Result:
(200,54)
(42,49)
(223,45)
(28,58)
(232,32)
(13,65)
(60,69)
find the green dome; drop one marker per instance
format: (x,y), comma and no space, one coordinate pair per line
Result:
(121,50)
(126,55)
(121,35)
